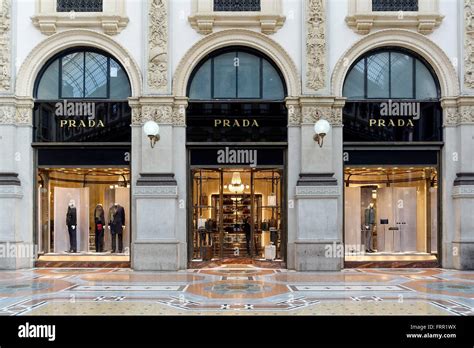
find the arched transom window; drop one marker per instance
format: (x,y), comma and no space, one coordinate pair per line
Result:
(391,74)
(236,73)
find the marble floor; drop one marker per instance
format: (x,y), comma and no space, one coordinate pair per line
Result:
(236,290)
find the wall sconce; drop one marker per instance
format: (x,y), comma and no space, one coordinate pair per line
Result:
(321,129)
(152,131)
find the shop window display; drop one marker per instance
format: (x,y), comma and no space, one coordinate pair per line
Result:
(391,210)
(84,210)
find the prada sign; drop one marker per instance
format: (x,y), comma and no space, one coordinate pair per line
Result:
(82,121)
(236,122)
(392,120)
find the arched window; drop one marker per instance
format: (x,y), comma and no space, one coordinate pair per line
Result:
(82,74)
(391,74)
(236,73)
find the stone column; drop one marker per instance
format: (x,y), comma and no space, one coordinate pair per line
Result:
(16,184)
(293,172)
(463,188)
(157,242)
(318,190)
(449,168)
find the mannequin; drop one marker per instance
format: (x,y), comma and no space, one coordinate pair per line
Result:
(117,225)
(71,222)
(99,222)
(369,223)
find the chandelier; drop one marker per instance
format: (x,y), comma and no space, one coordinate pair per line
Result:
(236,185)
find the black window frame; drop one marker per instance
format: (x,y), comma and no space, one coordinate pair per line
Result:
(82,50)
(79,5)
(391,50)
(237,5)
(210,57)
(395,5)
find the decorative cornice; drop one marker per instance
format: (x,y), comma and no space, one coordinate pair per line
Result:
(5,49)
(362,19)
(317,179)
(458,111)
(316,108)
(316,45)
(156,179)
(112,20)
(469,44)
(9,179)
(464,179)
(463,191)
(155,191)
(11,191)
(157,76)
(161,109)
(204,19)
(161,114)
(16,111)
(307,192)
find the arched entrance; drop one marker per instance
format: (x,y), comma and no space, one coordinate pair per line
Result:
(236,139)
(82,146)
(392,184)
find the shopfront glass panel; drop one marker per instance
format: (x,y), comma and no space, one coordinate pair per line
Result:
(391,210)
(237,213)
(96,194)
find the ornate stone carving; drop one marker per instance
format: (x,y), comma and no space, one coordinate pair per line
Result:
(466,114)
(179,115)
(155,191)
(24,115)
(317,191)
(158,45)
(450,117)
(336,117)
(469,44)
(316,45)
(162,114)
(7,114)
(136,115)
(5,57)
(294,115)
(311,114)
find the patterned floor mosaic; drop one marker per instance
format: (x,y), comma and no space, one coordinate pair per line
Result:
(236,290)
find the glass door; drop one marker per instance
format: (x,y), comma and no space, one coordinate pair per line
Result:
(236,213)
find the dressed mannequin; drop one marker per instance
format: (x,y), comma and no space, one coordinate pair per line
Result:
(99,222)
(117,225)
(369,223)
(71,222)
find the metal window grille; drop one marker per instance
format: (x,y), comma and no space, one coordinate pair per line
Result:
(394,5)
(237,5)
(79,5)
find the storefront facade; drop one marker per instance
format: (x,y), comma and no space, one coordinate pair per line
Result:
(237,173)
